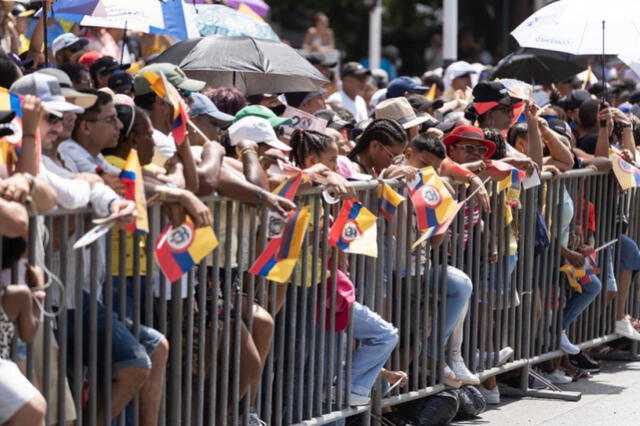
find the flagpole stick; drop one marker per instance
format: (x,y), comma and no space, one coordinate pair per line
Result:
(604,72)
(476,190)
(197,130)
(124,35)
(606,245)
(46,37)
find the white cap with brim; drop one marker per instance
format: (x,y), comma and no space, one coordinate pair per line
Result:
(47,89)
(255,129)
(83,100)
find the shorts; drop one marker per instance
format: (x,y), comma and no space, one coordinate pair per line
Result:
(629,254)
(127,351)
(15,390)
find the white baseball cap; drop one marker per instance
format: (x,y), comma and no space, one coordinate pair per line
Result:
(47,89)
(256,129)
(66,40)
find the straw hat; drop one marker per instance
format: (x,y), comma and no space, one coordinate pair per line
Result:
(400,110)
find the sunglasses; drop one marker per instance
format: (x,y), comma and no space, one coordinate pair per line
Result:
(470,149)
(395,159)
(53,119)
(279,131)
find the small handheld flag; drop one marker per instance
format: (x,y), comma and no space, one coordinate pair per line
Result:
(432,201)
(165,90)
(178,250)
(279,257)
(628,176)
(388,201)
(289,187)
(354,230)
(131,176)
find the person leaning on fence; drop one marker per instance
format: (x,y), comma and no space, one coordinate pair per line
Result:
(427,150)
(138,363)
(616,131)
(161,115)
(317,153)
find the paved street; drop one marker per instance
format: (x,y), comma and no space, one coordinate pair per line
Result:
(610,398)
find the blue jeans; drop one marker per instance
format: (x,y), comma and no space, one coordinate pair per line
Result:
(377,339)
(459,288)
(578,302)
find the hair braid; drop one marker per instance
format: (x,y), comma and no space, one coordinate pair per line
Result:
(306,142)
(387,132)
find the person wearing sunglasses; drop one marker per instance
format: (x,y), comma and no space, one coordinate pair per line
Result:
(65,46)
(493,106)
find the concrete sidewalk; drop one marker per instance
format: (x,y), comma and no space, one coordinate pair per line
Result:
(610,398)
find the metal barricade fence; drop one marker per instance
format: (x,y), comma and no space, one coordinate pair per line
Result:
(219,320)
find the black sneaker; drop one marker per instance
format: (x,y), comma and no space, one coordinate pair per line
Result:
(581,361)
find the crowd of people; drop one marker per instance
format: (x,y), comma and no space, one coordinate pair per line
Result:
(83,115)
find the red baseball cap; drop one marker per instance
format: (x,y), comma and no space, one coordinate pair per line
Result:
(89,58)
(470,133)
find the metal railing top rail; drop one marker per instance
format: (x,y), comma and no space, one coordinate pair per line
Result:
(358,186)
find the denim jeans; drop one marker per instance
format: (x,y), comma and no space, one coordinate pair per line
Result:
(377,339)
(459,288)
(578,302)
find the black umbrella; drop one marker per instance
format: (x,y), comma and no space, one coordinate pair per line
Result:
(254,66)
(539,66)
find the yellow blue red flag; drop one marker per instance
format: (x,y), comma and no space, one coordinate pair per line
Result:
(354,230)
(279,257)
(131,177)
(388,201)
(179,249)
(579,277)
(627,174)
(165,90)
(432,201)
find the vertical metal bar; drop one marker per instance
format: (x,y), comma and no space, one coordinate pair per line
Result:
(212,402)
(108,326)
(93,340)
(62,320)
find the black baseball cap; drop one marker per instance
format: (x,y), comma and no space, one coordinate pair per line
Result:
(120,81)
(320,59)
(574,99)
(354,69)
(422,104)
(333,119)
(493,91)
(106,64)
(560,127)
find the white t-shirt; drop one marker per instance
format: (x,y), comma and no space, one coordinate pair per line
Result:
(357,107)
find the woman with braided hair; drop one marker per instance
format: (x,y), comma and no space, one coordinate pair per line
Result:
(379,151)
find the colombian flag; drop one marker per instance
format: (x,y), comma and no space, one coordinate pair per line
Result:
(432,201)
(177,250)
(354,230)
(628,175)
(278,259)
(165,90)
(578,277)
(514,176)
(388,201)
(288,188)
(131,176)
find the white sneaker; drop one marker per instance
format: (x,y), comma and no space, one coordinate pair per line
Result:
(356,400)
(254,420)
(462,372)
(557,377)
(503,356)
(491,396)
(566,346)
(625,329)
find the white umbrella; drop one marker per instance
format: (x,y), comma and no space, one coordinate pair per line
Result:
(578,27)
